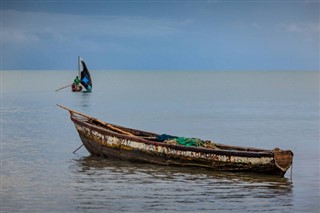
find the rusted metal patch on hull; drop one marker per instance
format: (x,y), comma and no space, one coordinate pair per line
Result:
(213,159)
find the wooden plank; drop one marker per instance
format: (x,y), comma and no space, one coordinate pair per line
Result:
(97,120)
(63,87)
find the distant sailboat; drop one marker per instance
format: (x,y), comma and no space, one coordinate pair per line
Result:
(85,78)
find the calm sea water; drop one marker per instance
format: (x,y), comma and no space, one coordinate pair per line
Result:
(39,172)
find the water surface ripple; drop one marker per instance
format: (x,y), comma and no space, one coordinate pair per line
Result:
(39,172)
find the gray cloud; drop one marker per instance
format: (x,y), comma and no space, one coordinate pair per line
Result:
(38,26)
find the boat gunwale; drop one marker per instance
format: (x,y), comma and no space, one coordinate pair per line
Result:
(105,131)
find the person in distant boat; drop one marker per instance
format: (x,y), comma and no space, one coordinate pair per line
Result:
(76,83)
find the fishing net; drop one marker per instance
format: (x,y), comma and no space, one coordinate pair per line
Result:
(196,142)
(189,141)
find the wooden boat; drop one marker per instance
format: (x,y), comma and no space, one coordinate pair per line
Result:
(108,140)
(85,77)
(76,89)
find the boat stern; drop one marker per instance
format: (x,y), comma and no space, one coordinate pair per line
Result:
(283,159)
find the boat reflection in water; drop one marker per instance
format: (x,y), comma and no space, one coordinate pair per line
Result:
(117,185)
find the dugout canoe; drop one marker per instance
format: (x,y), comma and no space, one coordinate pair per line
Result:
(113,141)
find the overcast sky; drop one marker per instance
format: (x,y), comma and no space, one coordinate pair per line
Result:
(160,35)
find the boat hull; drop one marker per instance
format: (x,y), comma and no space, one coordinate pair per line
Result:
(100,142)
(76,89)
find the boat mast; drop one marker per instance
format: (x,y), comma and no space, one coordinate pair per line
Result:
(79,66)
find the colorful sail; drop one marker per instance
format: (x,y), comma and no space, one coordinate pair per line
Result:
(85,78)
